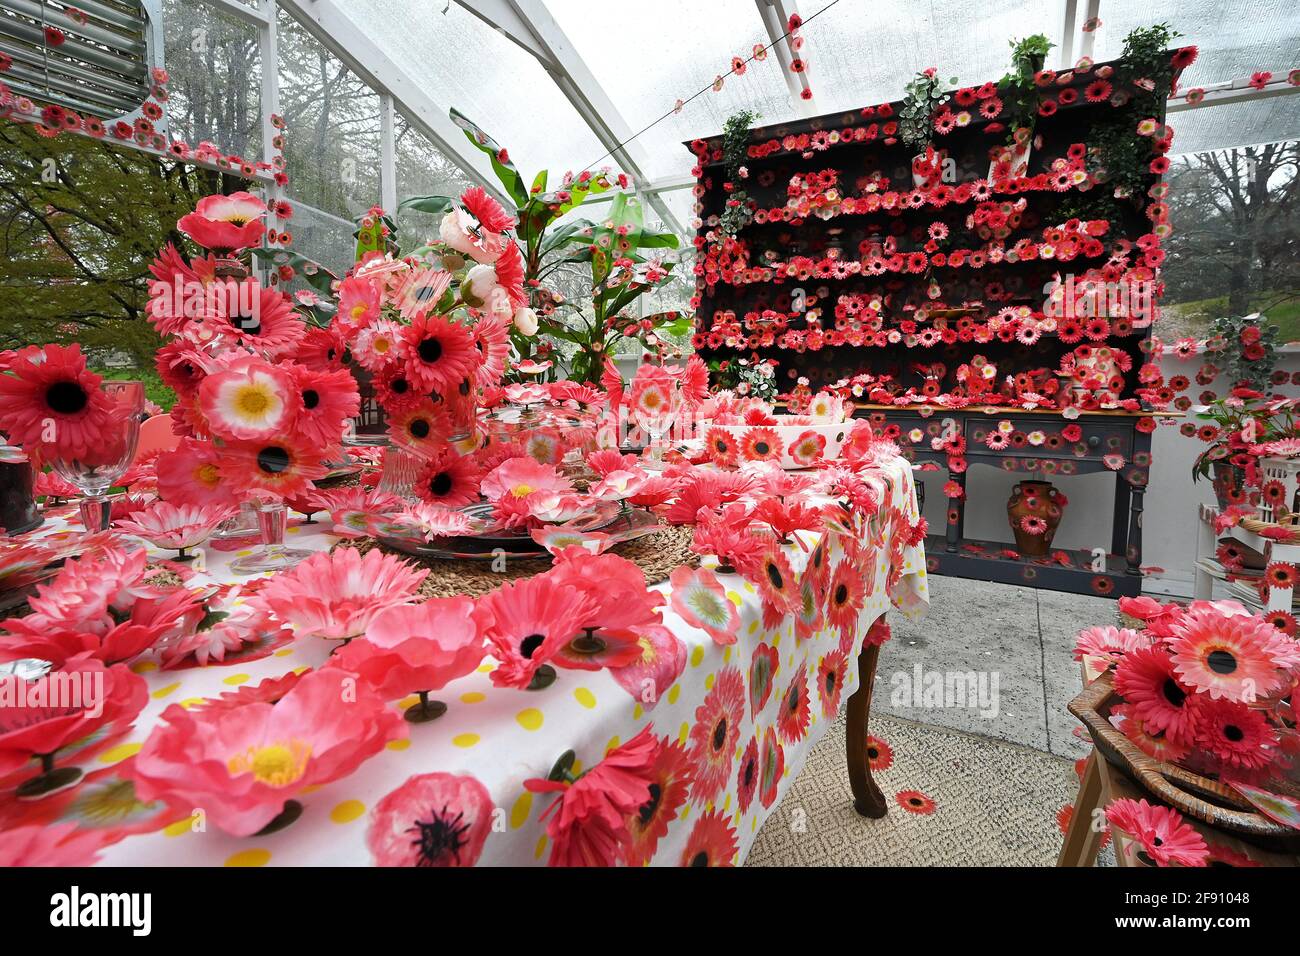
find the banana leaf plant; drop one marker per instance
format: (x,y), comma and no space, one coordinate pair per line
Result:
(620,273)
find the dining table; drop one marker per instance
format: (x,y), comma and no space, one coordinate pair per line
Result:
(743,716)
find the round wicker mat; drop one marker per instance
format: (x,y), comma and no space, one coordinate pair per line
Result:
(658,555)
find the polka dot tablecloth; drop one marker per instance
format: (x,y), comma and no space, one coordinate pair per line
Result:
(744,716)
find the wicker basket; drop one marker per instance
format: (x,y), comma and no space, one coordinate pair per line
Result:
(1286,472)
(1289,525)
(1190,793)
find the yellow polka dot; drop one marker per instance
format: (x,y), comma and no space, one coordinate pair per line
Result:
(726,655)
(541,847)
(249,858)
(530,719)
(398,744)
(473,697)
(522,809)
(120,752)
(144,667)
(301,669)
(408,701)
(613,742)
(674,692)
(637,712)
(686,812)
(243,554)
(162,692)
(284,652)
(753,626)
(234,680)
(189,702)
(180,827)
(708,682)
(585,697)
(750,588)
(347,811)
(465,740)
(697,656)
(294,530)
(685,732)
(735,598)
(577,768)
(486,668)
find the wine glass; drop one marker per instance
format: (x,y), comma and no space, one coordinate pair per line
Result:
(98,470)
(273,554)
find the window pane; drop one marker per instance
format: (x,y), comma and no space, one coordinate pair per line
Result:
(324,239)
(422,170)
(1235,37)
(461,62)
(693,43)
(1236,124)
(332,126)
(215,86)
(1232,251)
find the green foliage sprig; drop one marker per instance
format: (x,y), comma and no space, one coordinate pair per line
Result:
(1020,92)
(1145,57)
(1247,348)
(735,142)
(915,117)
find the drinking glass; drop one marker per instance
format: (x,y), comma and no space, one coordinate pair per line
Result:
(96,472)
(273,554)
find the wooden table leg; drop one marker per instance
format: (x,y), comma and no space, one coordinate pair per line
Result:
(867,798)
(1082,841)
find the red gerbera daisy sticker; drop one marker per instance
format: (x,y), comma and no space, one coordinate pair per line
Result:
(880,756)
(762,669)
(792,718)
(713,738)
(1284,622)
(712,842)
(1280,575)
(761,444)
(771,768)
(670,780)
(722,446)
(747,778)
(914,801)
(830,680)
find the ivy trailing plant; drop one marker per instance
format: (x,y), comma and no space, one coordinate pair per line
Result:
(1145,63)
(916,116)
(1145,72)
(735,141)
(1020,92)
(1246,347)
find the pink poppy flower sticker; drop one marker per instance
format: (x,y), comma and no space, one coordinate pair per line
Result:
(433,819)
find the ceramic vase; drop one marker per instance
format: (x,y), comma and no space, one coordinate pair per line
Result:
(1034,510)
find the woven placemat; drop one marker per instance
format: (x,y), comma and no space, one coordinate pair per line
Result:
(658,555)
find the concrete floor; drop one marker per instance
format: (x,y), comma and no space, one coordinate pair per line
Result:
(1021,636)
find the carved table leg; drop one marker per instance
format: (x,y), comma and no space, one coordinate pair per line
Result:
(956,510)
(867,798)
(1134,553)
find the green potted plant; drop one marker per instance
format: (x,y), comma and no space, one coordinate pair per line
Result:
(1020,94)
(924,96)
